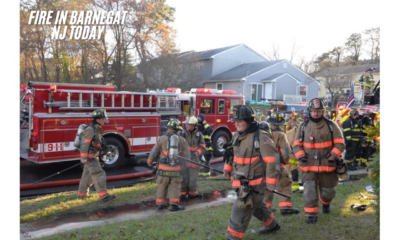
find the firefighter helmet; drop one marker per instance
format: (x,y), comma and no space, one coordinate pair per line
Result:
(99,113)
(316,104)
(200,118)
(174,124)
(277,118)
(242,112)
(191,120)
(294,114)
(354,113)
(265,126)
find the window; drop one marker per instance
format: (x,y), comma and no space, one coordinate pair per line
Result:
(302,90)
(219,86)
(233,103)
(221,106)
(256,92)
(207,106)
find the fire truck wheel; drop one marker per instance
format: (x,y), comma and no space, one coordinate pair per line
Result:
(218,141)
(117,155)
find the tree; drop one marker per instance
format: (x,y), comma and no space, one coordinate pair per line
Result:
(337,53)
(273,54)
(307,65)
(334,82)
(353,45)
(373,41)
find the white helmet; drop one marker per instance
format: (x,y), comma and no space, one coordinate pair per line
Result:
(191,120)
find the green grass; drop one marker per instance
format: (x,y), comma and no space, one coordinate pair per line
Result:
(211,222)
(62,204)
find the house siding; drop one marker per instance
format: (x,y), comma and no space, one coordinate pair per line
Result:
(285,85)
(233,58)
(234,85)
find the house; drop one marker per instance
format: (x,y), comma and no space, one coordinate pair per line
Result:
(242,69)
(350,74)
(215,61)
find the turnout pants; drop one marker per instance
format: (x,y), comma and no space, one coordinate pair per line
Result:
(189,182)
(163,183)
(353,152)
(284,186)
(240,217)
(93,174)
(314,182)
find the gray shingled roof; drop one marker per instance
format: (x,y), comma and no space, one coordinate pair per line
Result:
(348,69)
(273,76)
(205,54)
(244,70)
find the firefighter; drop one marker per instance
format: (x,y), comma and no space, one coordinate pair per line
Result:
(352,130)
(292,121)
(318,146)
(190,172)
(166,152)
(293,166)
(367,79)
(206,130)
(90,148)
(284,182)
(253,170)
(366,142)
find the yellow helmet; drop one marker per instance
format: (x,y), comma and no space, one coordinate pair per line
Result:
(191,120)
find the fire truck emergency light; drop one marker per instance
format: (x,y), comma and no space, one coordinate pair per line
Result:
(228,92)
(53,87)
(174,90)
(203,90)
(218,120)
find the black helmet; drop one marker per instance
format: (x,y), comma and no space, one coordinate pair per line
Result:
(174,124)
(265,126)
(242,112)
(99,113)
(200,118)
(277,118)
(354,113)
(316,104)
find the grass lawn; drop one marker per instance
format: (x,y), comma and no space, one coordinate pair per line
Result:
(210,222)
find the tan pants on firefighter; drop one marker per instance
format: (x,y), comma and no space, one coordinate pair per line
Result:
(163,183)
(241,216)
(313,182)
(189,182)
(93,174)
(284,186)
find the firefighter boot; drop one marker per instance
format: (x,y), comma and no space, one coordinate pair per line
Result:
(289,211)
(267,231)
(182,197)
(198,196)
(176,207)
(162,206)
(108,198)
(326,208)
(312,220)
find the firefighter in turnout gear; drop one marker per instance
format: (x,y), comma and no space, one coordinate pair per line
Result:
(367,80)
(254,168)
(293,121)
(190,172)
(318,145)
(293,166)
(206,130)
(284,182)
(91,145)
(352,131)
(367,139)
(165,152)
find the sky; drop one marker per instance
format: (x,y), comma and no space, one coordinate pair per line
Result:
(315,26)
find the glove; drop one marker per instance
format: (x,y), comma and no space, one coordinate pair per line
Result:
(226,145)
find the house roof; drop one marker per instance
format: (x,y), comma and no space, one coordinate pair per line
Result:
(276,76)
(243,70)
(192,55)
(357,69)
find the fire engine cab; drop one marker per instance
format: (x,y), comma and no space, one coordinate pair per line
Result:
(51,114)
(216,106)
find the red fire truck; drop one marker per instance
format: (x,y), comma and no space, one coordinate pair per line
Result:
(216,106)
(52,112)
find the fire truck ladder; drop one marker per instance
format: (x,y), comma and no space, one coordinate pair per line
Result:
(165,101)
